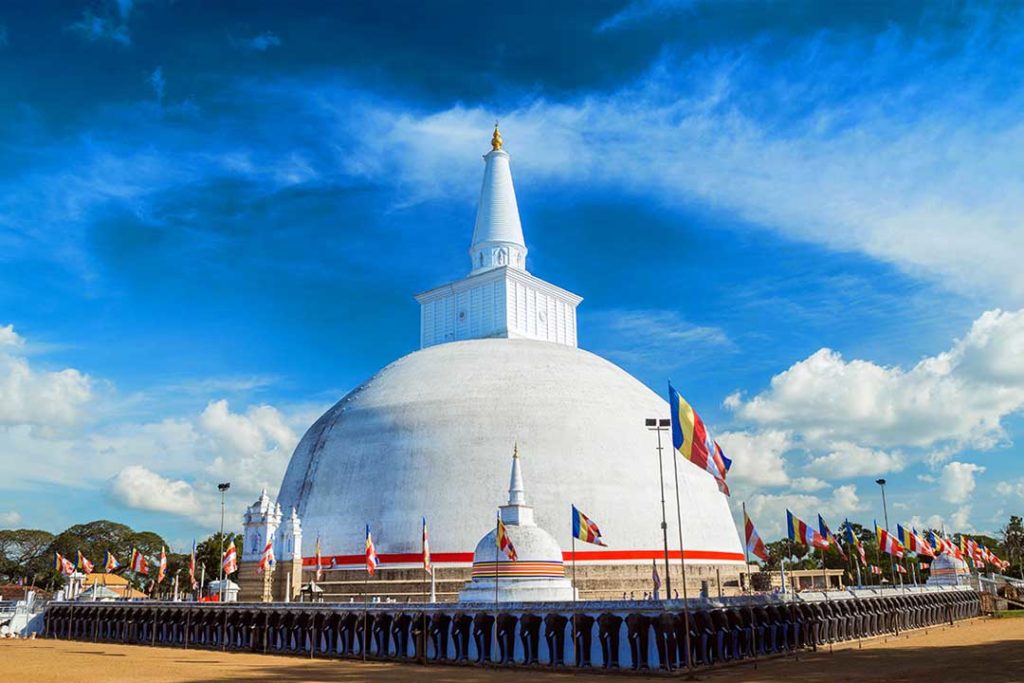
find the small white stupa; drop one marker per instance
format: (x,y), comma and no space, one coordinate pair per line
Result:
(947,570)
(537,574)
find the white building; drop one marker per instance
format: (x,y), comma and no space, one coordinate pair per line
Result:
(429,435)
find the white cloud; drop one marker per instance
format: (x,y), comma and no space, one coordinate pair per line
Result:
(9,518)
(45,399)
(94,27)
(769,510)
(260,42)
(157,81)
(644,337)
(757,457)
(1011,488)
(846,460)
(808,484)
(8,337)
(957,481)
(138,487)
(959,396)
(641,10)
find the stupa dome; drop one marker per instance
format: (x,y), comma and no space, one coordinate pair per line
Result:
(430,434)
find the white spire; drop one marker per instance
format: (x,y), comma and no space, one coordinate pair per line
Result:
(516,493)
(498,234)
(517,512)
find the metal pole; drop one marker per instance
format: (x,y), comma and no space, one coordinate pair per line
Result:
(664,523)
(885,512)
(576,655)
(497,547)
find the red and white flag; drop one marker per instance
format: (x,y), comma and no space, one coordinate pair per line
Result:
(161,572)
(755,546)
(319,561)
(875,569)
(84,564)
(267,559)
(192,567)
(901,569)
(230,560)
(887,543)
(428,566)
(139,565)
(372,561)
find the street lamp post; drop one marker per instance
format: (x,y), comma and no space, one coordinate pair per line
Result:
(223,488)
(885,512)
(658,425)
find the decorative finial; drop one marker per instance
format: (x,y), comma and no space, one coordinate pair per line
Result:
(515,450)
(496,140)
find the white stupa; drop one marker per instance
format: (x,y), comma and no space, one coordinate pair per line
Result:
(536,574)
(428,435)
(947,570)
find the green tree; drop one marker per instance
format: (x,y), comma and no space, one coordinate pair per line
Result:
(208,553)
(1013,541)
(94,539)
(24,553)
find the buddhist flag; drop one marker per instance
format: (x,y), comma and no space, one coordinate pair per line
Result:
(901,569)
(827,534)
(691,438)
(267,558)
(229,561)
(874,569)
(372,561)
(319,561)
(428,566)
(84,564)
(192,567)
(887,543)
(161,572)
(801,533)
(584,529)
(110,562)
(755,546)
(504,542)
(138,562)
(655,579)
(923,546)
(63,564)
(855,542)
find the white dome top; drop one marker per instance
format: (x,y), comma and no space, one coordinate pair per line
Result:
(532,544)
(430,435)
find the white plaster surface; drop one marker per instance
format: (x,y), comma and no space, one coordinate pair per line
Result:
(431,435)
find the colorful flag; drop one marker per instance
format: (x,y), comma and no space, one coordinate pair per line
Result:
(161,571)
(923,546)
(267,559)
(504,542)
(887,543)
(901,569)
(852,540)
(924,565)
(691,438)
(801,533)
(63,564)
(428,566)
(319,561)
(372,561)
(192,567)
(138,562)
(229,561)
(84,564)
(755,546)
(110,562)
(874,569)
(584,529)
(827,534)
(655,579)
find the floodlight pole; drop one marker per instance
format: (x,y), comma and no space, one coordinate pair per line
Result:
(223,488)
(885,512)
(653,425)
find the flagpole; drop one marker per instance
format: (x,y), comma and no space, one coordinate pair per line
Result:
(750,587)
(497,547)
(746,548)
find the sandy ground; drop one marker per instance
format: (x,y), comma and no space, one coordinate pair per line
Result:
(982,650)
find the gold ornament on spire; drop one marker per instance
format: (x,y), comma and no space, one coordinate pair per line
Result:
(496,140)
(515,449)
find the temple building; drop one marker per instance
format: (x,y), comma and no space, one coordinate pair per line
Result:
(429,436)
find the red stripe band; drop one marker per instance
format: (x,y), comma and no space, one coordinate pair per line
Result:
(581,556)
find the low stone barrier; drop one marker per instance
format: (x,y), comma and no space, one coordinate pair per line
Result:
(620,635)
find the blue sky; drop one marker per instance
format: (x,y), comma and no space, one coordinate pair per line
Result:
(213,220)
